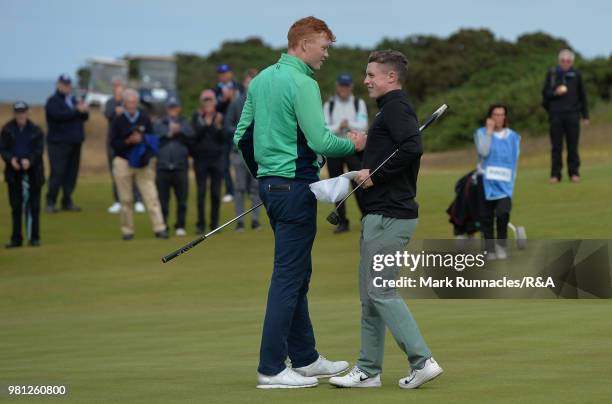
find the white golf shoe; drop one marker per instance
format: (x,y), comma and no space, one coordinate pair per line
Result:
(322,368)
(500,252)
(287,379)
(114,208)
(356,378)
(417,377)
(139,207)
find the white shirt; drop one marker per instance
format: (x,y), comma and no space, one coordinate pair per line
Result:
(345,109)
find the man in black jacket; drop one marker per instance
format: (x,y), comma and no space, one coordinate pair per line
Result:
(21,147)
(65,120)
(207,153)
(564,97)
(391,216)
(174,131)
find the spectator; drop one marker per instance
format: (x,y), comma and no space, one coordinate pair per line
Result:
(21,147)
(207,153)
(498,150)
(244,183)
(134,149)
(113,108)
(174,132)
(65,121)
(344,113)
(565,100)
(227,90)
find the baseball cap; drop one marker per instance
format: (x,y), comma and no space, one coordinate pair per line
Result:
(65,78)
(20,106)
(223,68)
(173,102)
(344,79)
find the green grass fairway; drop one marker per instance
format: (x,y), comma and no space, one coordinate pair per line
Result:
(106,318)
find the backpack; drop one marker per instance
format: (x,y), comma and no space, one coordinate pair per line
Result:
(332,103)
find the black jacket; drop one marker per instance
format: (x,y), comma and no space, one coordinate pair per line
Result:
(173,150)
(395,184)
(109,113)
(7,150)
(65,125)
(208,141)
(573,101)
(122,128)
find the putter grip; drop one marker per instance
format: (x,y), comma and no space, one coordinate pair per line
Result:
(183,249)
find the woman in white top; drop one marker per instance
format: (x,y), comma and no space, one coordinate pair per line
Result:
(498,151)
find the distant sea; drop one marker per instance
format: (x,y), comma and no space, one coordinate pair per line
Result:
(34,91)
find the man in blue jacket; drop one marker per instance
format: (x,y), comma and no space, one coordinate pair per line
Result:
(65,120)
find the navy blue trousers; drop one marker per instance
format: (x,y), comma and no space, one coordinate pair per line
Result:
(287,330)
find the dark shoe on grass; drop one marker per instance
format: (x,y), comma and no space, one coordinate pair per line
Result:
(71,208)
(161,234)
(13,244)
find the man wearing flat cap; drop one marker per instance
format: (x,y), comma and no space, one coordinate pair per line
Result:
(66,132)
(21,147)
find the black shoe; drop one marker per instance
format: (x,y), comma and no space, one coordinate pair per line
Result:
(199,230)
(13,244)
(240,227)
(255,225)
(343,227)
(51,209)
(34,243)
(127,237)
(161,234)
(71,208)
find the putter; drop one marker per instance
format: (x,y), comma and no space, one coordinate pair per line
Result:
(334,217)
(197,241)
(25,195)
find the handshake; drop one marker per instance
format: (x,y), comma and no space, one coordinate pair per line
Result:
(358,139)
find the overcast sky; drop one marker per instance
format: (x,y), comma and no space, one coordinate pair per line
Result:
(40,39)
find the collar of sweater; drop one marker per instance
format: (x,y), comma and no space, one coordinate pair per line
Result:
(296,63)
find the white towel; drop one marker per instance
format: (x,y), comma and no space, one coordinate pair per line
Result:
(334,189)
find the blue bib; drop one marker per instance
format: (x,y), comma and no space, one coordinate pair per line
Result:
(500,166)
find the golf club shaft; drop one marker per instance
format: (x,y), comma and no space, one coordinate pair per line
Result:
(428,122)
(197,241)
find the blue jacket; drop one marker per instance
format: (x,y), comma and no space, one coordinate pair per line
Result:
(65,124)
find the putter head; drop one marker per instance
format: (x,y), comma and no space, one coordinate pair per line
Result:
(333,217)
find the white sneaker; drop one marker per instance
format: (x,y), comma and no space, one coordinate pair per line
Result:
(287,379)
(181,232)
(356,378)
(417,377)
(114,208)
(139,207)
(500,252)
(323,368)
(227,198)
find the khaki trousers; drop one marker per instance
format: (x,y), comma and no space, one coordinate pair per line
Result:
(145,180)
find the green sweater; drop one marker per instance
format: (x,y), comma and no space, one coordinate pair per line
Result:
(282,127)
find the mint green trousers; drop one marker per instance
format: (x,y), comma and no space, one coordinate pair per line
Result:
(383,307)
